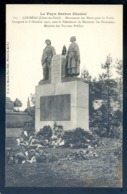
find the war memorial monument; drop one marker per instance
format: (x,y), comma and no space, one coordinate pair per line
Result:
(61,96)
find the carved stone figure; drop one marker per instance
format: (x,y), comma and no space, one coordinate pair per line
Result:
(47,55)
(73,58)
(64,50)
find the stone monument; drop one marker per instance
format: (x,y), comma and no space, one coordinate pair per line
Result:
(63,99)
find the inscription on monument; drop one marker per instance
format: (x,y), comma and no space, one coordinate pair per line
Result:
(56,69)
(55,108)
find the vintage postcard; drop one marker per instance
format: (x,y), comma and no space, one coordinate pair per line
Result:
(64,95)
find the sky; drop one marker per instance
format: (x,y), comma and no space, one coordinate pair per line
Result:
(27,41)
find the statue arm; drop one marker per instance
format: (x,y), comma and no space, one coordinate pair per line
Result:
(42,59)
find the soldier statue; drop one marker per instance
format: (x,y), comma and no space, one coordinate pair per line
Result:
(73,58)
(48,53)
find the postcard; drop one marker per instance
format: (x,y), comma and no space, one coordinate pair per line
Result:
(64,95)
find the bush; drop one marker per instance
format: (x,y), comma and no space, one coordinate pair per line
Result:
(111,132)
(45,132)
(100,131)
(79,132)
(77,137)
(28,126)
(115,132)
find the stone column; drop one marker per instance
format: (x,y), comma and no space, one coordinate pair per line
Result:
(56,69)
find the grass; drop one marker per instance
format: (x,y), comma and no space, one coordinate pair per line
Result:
(104,171)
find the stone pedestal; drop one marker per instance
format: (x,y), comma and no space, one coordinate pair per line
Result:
(64,101)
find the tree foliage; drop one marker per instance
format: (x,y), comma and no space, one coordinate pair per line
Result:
(17,103)
(85,75)
(104,91)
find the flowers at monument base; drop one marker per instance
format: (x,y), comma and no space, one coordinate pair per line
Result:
(31,146)
(83,154)
(57,142)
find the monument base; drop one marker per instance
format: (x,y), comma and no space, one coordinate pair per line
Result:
(66,103)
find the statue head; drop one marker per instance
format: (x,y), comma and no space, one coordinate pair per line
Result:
(73,39)
(48,42)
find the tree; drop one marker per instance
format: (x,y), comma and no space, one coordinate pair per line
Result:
(109,94)
(105,79)
(119,67)
(104,91)
(17,104)
(119,70)
(85,75)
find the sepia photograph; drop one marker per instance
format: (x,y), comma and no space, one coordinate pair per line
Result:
(64,95)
